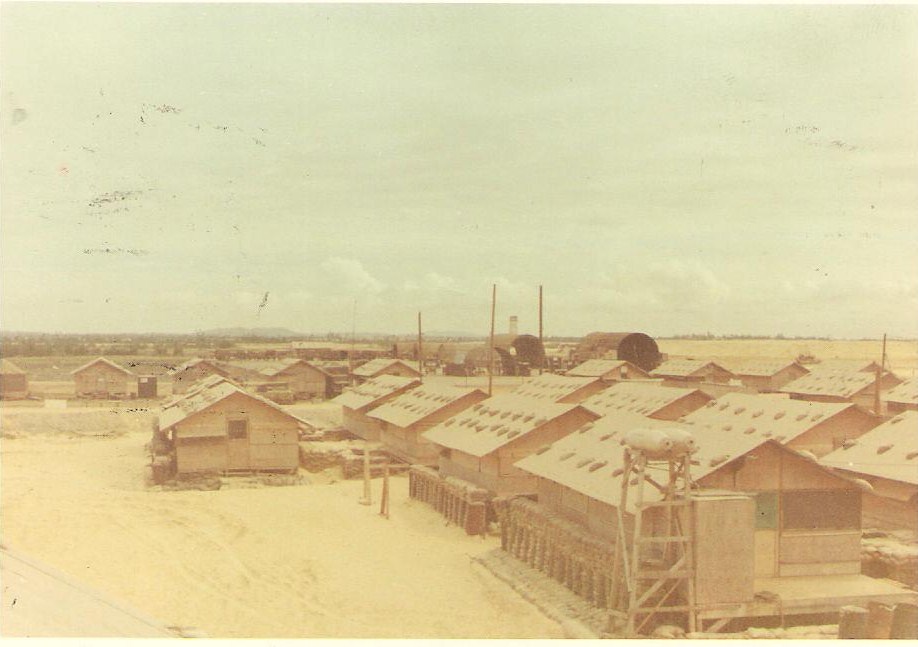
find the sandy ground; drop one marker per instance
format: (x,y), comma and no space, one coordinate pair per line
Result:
(299,561)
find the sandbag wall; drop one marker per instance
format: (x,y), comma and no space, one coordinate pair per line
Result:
(462,503)
(560,549)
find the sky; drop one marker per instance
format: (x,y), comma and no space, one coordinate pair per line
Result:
(724,169)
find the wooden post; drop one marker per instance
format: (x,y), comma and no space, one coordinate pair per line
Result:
(384,497)
(542,361)
(491,340)
(420,350)
(877,404)
(367,493)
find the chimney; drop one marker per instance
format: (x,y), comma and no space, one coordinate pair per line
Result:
(513,325)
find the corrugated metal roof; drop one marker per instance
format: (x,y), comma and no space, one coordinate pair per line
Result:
(8,368)
(904,393)
(420,402)
(889,451)
(644,398)
(591,460)
(495,422)
(103,361)
(841,384)
(204,395)
(601,367)
(374,366)
(684,367)
(781,419)
(762,367)
(363,396)
(552,387)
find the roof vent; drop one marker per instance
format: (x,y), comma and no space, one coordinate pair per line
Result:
(564,457)
(756,414)
(779,415)
(739,410)
(618,471)
(727,427)
(911,455)
(882,449)
(606,437)
(513,434)
(801,417)
(596,466)
(542,450)
(585,462)
(751,430)
(717,460)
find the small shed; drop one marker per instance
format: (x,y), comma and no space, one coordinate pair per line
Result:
(103,378)
(482,444)
(816,427)
(635,347)
(692,371)
(384,366)
(766,376)
(14,384)
(903,397)
(649,399)
(609,370)
(195,370)
(859,387)
(560,388)
(217,427)
(887,458)
(406,417)
(305,380)
(358,400)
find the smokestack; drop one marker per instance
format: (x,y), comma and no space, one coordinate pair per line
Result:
(514,325)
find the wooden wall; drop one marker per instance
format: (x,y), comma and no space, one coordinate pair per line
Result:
(105,380)
(360,424)
(829,434)
(202,444)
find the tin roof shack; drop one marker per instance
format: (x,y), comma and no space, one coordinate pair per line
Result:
(482,444)
(840,386)
(816,427)
(766,376)
(692,372)
(304,380)
(560,388)
(195,370)
(609,370)
(14,384)
(406,417)
(798,538)
(383,366)
(102,378)
(887,458)
(357,400)
(219,428)
(903,397)
(635,347)
(649,399)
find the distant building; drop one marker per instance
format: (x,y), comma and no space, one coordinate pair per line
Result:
(887,458)
(406,417)
(649,399)
(859,387)
(384,366)
(217,427)
(766,376)
(683,372)
(304,380)
(482,444)
(560,388)
(635,347)
(358,400)
(195,370)
(903,397)
(102,378)
(14,384)
(816,427)
(609,370)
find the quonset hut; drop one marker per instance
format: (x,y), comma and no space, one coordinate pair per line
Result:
(635,347)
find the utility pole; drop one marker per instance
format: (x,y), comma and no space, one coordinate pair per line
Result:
(491,340)
(877,404)
(541,345)
(420,349)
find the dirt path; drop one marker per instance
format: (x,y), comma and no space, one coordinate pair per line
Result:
(303,561)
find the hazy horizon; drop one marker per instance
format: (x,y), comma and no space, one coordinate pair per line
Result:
(667,169)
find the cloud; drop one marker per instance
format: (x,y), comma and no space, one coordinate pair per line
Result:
(350,275)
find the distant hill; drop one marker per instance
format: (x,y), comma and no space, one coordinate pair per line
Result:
(265,333)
